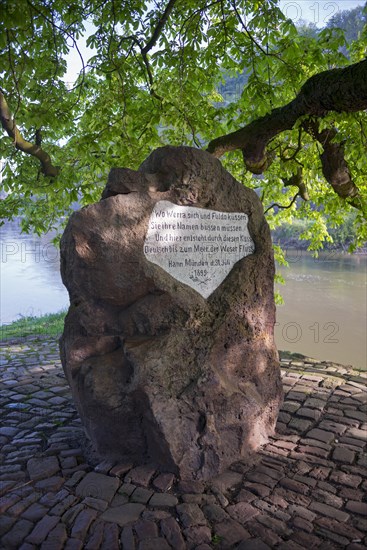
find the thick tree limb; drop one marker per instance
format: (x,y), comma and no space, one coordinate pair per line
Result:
(334,90)
(297,181)
(8,123)
(334,165)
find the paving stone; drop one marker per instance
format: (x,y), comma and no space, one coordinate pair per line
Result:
(329,511)
(97,486)
(127,539)
(190,514)
(154,544)
(284,417)
(307,412)
(291,406)
(307,540)
(164,482)
(172,533)
(223,501)
(119,500)
(50,499)
(284,444)
(110,537)
(253,544)
(73,544)
(121,469)
(56,538)
(292,497)
(301,523)
(41,468)
(53,483)
(316,443)
(327,497)
(146,529)
(7,501)
(141,475)
(278,526)
(335,427)
(42,529)
(69,516)
(215,513)
(82,523)
(61,507)
(295,486)
(270,469)
(341,528)
(15,536)
(95,535)
(104,467)
(163,500)
(197,535)
(290,545)
(195,487)
(242,512)
(127,489)
(6,522)
(342,454)
(230,533)
(300,424)
(346,479)
(68,462)
(122,515)
(357,507)
(195,499)
(258,489)
(268,536)
(35,512)
(95,503)
(26,546)
(357,433)
(261,477)
(321,435)
(141,495)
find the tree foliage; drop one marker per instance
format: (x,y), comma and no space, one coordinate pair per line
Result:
(153,77)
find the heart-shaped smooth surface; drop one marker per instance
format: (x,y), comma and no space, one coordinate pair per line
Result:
(198,247)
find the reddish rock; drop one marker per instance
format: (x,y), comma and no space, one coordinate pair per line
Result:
(160,374)
(164,482)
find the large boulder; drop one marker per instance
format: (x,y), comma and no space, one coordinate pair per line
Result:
(172,360)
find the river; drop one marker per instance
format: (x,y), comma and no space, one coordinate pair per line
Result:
(324,314)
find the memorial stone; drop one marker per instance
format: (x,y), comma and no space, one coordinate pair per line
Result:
(168,343)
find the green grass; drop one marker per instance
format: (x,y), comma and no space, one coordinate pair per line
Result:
(51,324)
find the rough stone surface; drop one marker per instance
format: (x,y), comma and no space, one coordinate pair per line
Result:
(214,394)
(40,468)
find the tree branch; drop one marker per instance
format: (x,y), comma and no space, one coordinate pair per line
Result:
(157,31)
(334,90)
(334,166)
(8,123)
(281,206)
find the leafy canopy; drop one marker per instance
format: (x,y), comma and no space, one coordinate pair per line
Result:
(154,77)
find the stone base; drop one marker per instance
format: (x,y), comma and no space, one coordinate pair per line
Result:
(160,374)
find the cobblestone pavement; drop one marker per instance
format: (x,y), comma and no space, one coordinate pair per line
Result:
(305,489)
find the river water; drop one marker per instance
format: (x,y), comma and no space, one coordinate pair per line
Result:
(324,314)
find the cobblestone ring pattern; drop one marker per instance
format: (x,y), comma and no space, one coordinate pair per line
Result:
(305,489)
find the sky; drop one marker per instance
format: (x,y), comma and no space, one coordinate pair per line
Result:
(317,12)
(312,11)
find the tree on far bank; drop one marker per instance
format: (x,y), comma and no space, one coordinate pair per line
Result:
(295,132)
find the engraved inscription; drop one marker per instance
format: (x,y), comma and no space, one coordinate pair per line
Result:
(198,247)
